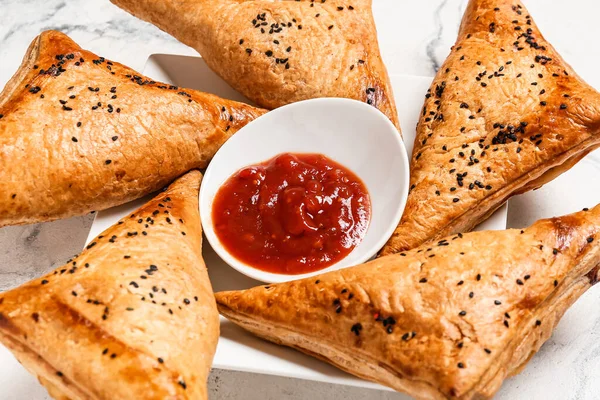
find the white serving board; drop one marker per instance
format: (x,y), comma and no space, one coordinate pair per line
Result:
(237,349)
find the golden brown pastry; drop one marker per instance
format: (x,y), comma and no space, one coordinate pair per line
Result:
(132,317)
(278,52)
(505,114)
(450,319)
(81,133)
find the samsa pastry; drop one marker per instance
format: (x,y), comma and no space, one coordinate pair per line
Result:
(133,316)
(448,320)
(279,52)
(80,133)
(504,115)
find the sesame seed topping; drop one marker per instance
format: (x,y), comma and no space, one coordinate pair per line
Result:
(356,328)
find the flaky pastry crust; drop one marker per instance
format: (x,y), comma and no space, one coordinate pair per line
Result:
(447,320)
(80,133)
(504,115)
(279,52)
(133,316)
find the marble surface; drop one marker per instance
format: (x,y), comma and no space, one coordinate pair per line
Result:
(415,36)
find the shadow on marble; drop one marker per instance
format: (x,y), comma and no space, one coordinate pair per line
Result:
(29,251)
(232,385)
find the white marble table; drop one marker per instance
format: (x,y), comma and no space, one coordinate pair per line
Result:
(415,37)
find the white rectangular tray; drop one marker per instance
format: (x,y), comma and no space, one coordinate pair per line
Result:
(237,349)
(572,351)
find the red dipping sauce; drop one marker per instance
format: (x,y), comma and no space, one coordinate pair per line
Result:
(292,214)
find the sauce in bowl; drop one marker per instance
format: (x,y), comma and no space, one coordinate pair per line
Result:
(292,214)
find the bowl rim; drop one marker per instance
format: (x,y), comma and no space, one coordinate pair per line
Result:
(205,203)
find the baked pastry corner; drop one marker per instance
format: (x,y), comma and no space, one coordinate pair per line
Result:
(505,114)
(447,320)
(81,133)
(133,316)
(280,52)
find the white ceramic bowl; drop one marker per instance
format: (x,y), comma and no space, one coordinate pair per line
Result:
(352,133)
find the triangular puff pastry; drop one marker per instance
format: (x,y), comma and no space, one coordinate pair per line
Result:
(132,317)
(505,114)
(450,319)
(81,133)
(279,52)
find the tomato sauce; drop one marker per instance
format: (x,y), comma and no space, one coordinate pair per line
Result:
(292,214)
